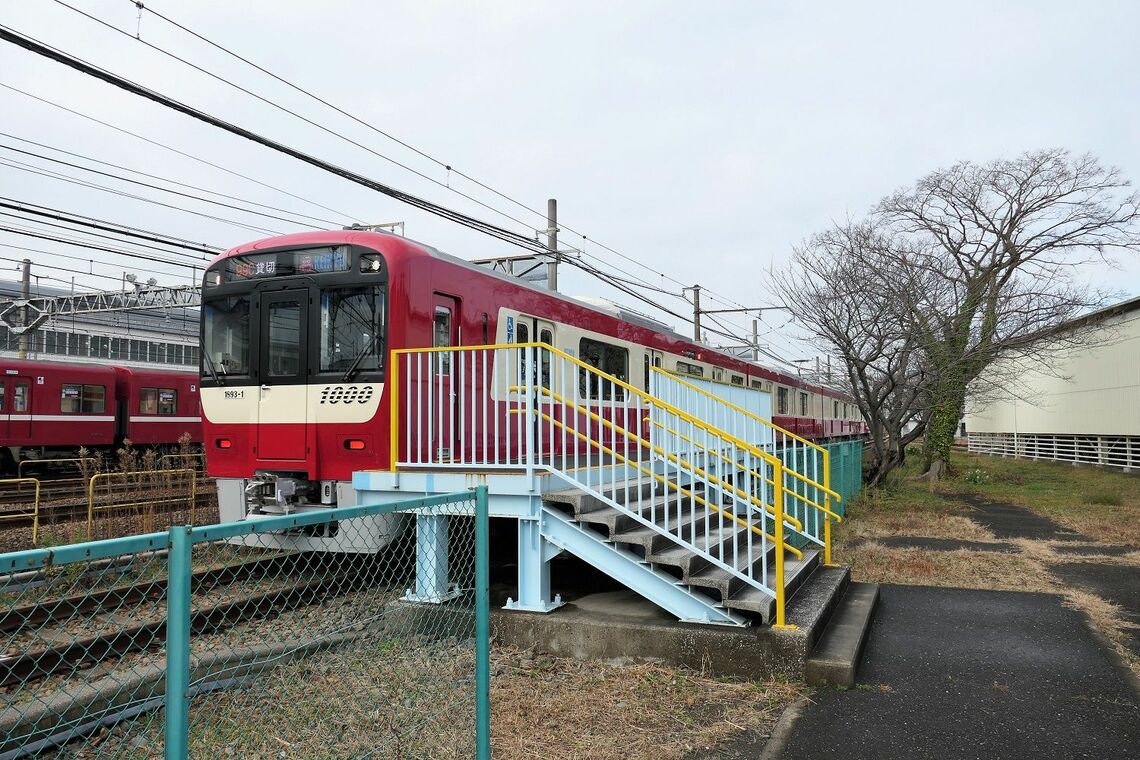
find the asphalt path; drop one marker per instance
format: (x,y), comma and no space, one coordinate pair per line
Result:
(958,673)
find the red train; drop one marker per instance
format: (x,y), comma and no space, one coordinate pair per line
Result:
(49,409)
(296,335)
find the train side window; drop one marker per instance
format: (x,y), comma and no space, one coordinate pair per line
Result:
(782,400)
(148,400)
(484,328)
(835,412)
(613,360)
(803,404)
(82,399)
(522,335)
(441,338)
(757,385)
(3,388)
(695,370)
(737,380)
(167,401)
(547,337)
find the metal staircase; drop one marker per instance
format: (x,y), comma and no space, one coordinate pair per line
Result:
(716,522)
(720,592)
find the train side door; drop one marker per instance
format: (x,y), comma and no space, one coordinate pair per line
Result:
(444,385)
(283,374)
(3,410)
(652,359)
(19,408)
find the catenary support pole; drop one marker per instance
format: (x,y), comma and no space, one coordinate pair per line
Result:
(25,293)
(552,243)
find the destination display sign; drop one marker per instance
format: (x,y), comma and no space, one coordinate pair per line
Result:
(286,263)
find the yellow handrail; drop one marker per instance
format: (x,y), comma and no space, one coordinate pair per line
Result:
(668,483)
(639,441)
(825,486)
(741,466)
(19,481)
(736,408)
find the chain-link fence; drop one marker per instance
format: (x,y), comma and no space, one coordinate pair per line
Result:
(226,640)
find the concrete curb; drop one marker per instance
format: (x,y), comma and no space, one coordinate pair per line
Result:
(782,731)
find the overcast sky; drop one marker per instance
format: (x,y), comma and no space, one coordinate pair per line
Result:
(701,139)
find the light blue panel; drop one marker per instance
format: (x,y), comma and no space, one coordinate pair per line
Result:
(432,581)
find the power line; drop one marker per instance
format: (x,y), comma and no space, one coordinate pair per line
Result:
(445,165)
(140,183)
(46,51)
(112,238)
(164,179)
(92,246)
(102,224)
(283,109)
(32,169)
(172,149)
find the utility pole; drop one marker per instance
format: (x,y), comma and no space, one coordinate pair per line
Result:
(25,293)
(696,313)
(552,243)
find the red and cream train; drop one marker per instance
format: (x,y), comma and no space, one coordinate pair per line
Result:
(296,331)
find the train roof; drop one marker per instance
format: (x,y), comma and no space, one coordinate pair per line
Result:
(408,248)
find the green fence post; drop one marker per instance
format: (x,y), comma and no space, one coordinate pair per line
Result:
(482,629)
(178,643)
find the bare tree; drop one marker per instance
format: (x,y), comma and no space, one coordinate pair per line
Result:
(846,288)
(973,263)
(1003,244)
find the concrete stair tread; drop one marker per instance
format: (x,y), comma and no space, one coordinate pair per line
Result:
(835,658)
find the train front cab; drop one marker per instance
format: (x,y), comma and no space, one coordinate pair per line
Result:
(293,353)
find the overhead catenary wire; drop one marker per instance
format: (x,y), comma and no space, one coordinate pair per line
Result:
(174,150)
(93,246)
(87,68)
(107,226)
(112,238)
(179,183)
(283,109)
(140,183)
(324,128)
(711,294)
(59,176)
(39,48)
(448,166)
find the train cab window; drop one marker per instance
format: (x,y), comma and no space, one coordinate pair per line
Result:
(82,399)
(613,360)
(226,335)
(284,337)
(783,403)
(352,329)
(803,404)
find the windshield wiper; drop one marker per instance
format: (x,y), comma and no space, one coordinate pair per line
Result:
(209,363)
(356,362)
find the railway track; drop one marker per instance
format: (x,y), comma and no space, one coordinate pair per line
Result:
(76,653)
(64,509)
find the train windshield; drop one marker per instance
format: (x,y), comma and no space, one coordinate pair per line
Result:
(226,335)
(352,329)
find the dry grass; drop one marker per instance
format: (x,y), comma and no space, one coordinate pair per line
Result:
(546,706)
(962,568)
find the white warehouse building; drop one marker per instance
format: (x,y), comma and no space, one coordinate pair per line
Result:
(1085,410)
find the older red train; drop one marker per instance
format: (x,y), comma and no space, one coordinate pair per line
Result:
(49,409)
